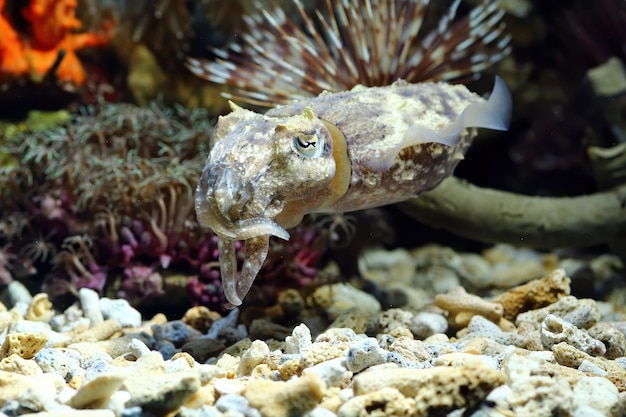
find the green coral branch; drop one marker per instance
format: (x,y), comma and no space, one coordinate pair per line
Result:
(542,222)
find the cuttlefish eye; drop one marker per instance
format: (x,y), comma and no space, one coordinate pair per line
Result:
(308,146)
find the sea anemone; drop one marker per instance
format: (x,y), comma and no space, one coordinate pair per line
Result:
(353,42)
(106,202)
(112,194)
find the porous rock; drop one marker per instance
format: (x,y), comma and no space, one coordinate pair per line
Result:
(284,399)
(555,330)
(435,389)
(25,345)
(462,306)
(534,294)
(613,339)
(582,313)
(540,396)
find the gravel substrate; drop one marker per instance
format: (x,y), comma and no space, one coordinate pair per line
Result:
(533,350)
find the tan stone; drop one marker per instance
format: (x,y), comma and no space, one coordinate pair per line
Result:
(98,391)
(25,345)
(40,308)
(284,399)
(462,306)
(535,294)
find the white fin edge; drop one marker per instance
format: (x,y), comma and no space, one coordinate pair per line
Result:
(495,114)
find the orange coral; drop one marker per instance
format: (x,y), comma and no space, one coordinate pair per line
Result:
(49,37)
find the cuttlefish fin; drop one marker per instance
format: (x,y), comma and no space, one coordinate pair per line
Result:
(495,114)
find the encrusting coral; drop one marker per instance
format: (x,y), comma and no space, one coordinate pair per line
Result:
(46,43)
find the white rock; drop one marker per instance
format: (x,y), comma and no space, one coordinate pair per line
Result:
(121,311)
(138,348)
(425,324)
(365,353)
(90,302)
(555,330)
(333,372)
(599,393)
(592,368)
(63,362)
(299,341)
(233,402)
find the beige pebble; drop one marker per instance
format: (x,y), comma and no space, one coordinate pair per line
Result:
(567,355)
(323,351)
(161,394)
(11,385)
(96,392)
(16,364)
(87,350)
(205,395)
(73,413)
(354,318)
(40,309)
(285,399)
(462,306)
(25,345)
(99,332)
(409,349)
(201,318)
(337,298)
(252,357)
(388,402)
(14,385)
(439,388)
(534,294)
(458,359)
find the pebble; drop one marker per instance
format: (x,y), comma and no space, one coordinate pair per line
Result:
(375,363)
(90,303)
(121,311)
(364,354)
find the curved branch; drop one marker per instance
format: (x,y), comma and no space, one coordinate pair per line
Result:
(542,222)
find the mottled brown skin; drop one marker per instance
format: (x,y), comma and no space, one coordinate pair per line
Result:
(337,152)
(371,123)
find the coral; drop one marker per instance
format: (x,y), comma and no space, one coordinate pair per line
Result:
(278,62)
(535,294)
(581,313)
(461,307)
(25,345)
(46,44)
(555,330)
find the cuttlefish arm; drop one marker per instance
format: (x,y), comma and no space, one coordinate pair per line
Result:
(236,288)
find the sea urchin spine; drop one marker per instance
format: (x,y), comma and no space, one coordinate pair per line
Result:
(354,42)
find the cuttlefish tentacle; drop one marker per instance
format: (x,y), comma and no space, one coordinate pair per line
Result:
(256,252)
(228,269)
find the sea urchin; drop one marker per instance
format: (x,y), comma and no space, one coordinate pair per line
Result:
(354,42)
